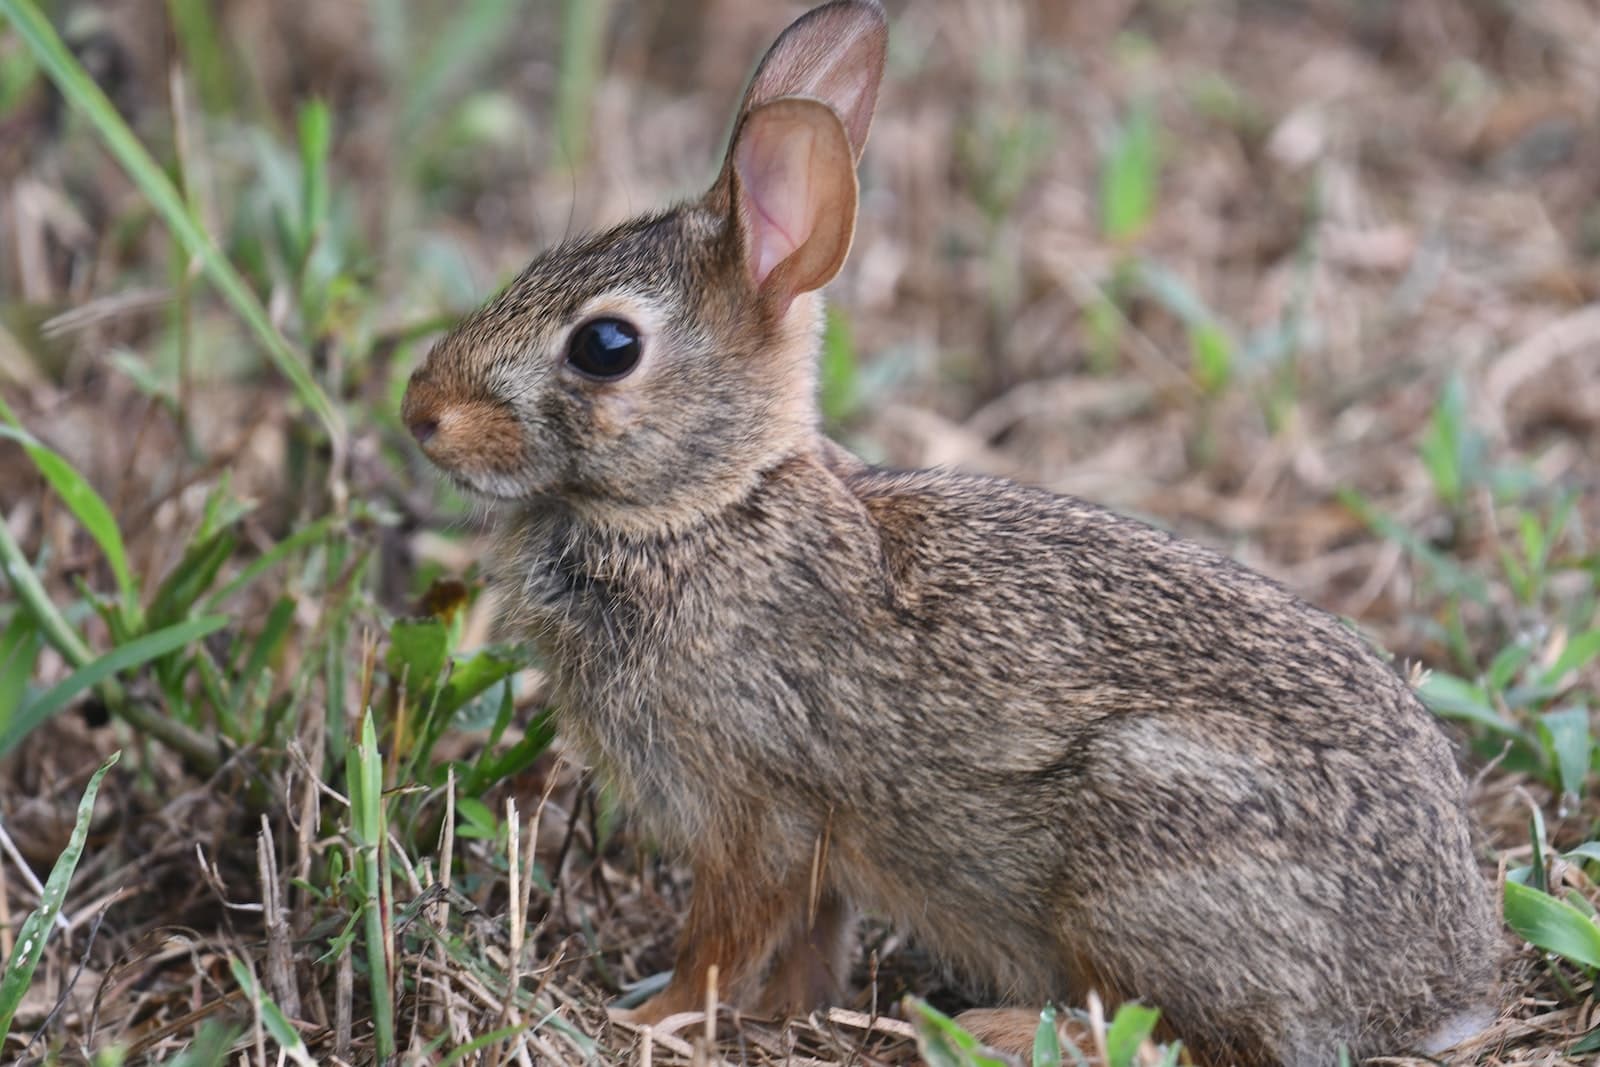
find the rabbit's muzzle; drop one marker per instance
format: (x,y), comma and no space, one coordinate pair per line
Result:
(465,436)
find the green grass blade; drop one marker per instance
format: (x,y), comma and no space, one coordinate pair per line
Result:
(841,374)
(1128,176)
(272,557)
(36,601)
(468,35)
(178,592)
(36,927)
(1046,1042)
(87,98)
(316,137)
(205,52)
(482,1041)
(87,506)
(19,651)
(209,1049)
(124,657)
(272,1017)
(365,774)
(583,31)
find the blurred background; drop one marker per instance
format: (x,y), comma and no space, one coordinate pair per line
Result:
(1314,281)
(1214,263)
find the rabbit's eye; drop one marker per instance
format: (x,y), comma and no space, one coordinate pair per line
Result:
(605,348)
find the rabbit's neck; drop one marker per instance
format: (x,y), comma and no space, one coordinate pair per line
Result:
(646,637)
(572,580)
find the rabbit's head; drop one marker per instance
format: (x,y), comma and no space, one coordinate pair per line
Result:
(652,372)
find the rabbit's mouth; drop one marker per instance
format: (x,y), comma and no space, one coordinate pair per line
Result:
(491,487)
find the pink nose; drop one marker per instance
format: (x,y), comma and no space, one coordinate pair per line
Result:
(422,429)
(421,407)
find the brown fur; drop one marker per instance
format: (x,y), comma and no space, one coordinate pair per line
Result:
(1066,750)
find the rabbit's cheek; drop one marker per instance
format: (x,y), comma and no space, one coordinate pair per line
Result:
(613,414)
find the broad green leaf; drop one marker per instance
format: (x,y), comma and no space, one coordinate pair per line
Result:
(1130,1027)
(471,678)
(519,757)
(121,658)
(1552,925)
(1507,662)
(1565,734)
(271,636)
(942,1041)
(1586,1044)
(36,927)
(417,652)
(86,505)
(1580,651)
(475,819)
(369,826)
(36,600)
(1456,698)
(250,685)
(1589,850)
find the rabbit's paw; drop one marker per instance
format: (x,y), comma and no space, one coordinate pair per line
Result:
(1011,1031)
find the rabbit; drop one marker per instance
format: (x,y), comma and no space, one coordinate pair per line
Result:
(1066,751)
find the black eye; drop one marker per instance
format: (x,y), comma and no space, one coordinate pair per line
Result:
(605,348)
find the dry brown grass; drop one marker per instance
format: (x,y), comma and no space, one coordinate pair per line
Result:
(1403,192)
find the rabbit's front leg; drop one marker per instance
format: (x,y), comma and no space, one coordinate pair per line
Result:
(738,917)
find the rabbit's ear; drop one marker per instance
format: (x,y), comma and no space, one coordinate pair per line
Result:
(793,179)
(833,54)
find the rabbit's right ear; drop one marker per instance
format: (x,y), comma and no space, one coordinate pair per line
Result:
(789,181)
(834,54)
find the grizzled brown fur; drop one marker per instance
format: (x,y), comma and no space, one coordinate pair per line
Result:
(1065,750)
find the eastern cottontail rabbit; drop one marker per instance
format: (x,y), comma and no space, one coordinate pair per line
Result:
(1063,749)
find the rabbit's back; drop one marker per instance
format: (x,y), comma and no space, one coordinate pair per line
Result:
(1252,819)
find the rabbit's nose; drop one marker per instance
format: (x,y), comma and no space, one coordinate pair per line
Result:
(422,428)
(420,409)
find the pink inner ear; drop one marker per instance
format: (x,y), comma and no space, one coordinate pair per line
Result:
(774,165)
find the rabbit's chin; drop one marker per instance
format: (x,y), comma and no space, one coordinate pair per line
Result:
(492,488)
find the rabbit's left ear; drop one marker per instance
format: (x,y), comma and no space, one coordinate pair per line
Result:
(792,179)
